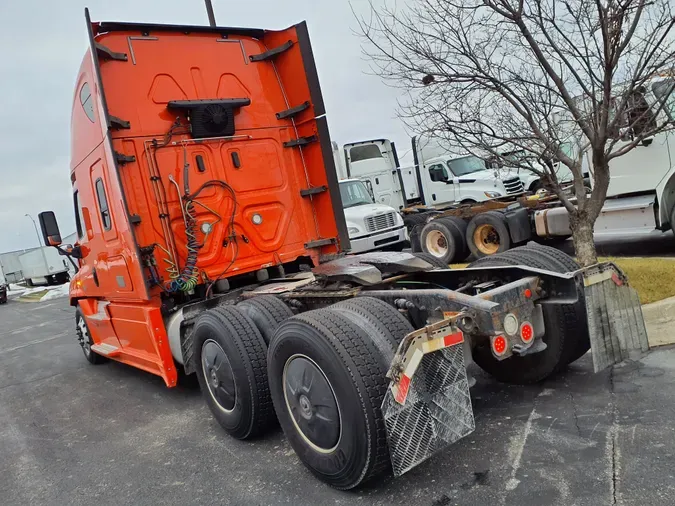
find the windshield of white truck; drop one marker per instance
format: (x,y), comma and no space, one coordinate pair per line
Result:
(466,165)
(354,193)
(665,91)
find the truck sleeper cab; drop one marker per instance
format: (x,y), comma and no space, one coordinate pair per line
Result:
(208,243)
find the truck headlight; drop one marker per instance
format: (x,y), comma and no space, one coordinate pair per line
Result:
(492,195)
(352,230)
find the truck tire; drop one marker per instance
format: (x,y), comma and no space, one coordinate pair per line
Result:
(561,338)
(384,323)
(672,219)
(347,444)
(569,265)
(487,234)
(230,361)
(267,312)
(441,238)
(85,340)
(415,223)
(429,258)
(461,226)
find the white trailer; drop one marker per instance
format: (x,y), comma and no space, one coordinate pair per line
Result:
(44,266)
(3,288)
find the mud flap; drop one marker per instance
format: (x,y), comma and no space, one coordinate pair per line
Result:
(614,315)
(428,406)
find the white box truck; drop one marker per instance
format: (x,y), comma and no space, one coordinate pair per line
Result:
(44,266)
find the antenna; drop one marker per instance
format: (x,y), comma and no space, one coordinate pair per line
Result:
(209,12)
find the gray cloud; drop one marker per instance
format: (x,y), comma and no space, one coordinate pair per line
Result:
(43,45)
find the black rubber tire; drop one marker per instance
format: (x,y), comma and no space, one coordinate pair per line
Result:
(451,235)
(349,362)
(384,323)
(237,336)
(414,233)
(569,264)
(415,222)
(429,258)
(267,312)
(672,219)
(561,338)
(413,219)
(535,186)
(461,225)
(498,222)
(91,356)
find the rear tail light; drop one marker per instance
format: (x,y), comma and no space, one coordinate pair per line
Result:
(499,345)
(526,332)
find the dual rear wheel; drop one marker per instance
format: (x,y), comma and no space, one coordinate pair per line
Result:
(323,378)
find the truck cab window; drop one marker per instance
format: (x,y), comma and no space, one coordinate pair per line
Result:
(103,204)
(365,152)
(466,165)
(665,93)
(640,116)
(78,215)
(438,173)
(354,193)
(87,102)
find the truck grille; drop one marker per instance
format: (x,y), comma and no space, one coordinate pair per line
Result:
(380,222)
(514,185)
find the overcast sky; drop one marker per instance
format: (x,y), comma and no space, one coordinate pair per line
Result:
(43,43)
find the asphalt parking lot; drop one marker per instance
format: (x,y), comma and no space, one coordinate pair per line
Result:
(73,433)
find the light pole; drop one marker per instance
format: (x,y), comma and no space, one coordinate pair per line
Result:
(36,230)
(209,13)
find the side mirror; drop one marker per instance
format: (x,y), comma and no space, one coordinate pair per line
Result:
(50,228)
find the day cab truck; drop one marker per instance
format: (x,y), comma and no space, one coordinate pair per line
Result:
(210,240)
(370,225)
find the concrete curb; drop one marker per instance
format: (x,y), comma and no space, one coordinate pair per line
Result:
(660,321)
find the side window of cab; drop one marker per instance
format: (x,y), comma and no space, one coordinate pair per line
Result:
(87,101)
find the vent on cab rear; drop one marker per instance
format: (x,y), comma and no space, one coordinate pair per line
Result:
(210,118)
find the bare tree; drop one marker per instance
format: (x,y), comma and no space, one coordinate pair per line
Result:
(554,81)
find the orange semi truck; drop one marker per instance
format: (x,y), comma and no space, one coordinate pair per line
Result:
(211,241)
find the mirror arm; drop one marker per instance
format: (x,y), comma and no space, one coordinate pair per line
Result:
(69,255)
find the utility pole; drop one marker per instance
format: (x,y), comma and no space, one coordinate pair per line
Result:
(209,12)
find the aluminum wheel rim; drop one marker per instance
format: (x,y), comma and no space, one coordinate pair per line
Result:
(436,243)
(486,239)
(218,375)
(83,336)
(312,404)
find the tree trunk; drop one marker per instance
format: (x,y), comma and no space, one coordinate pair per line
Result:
(582,235)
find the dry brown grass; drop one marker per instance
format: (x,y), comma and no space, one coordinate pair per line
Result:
(653,278)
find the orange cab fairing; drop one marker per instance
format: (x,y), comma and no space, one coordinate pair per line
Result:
(132,150)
